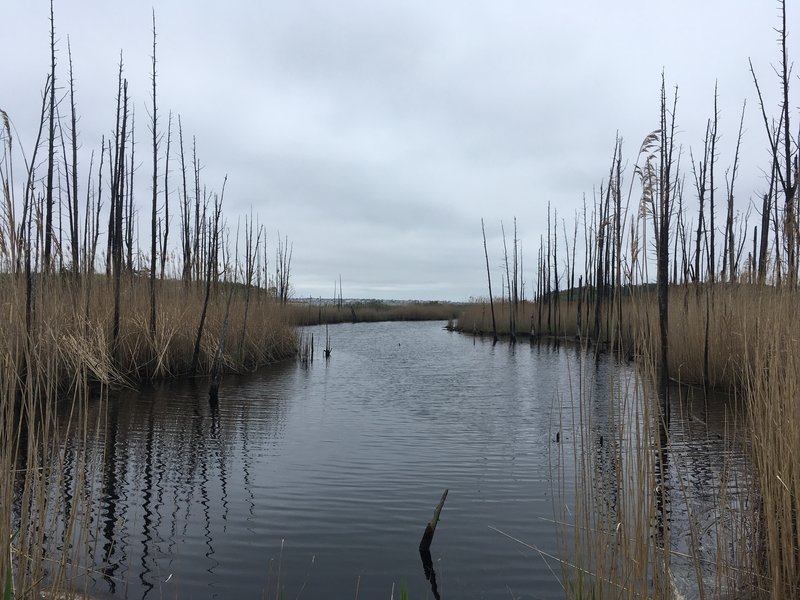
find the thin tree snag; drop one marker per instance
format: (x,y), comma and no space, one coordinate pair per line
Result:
(489,277)
(427,537)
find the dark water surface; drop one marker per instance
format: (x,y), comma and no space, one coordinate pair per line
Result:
(318,481)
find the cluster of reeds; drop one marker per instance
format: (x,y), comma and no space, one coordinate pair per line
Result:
(718,359)
(614,531)
(650,517)
(86,308)
(45,489)
(772,387)
(695,299)
(368,311)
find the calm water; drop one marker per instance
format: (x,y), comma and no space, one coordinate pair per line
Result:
(320,479)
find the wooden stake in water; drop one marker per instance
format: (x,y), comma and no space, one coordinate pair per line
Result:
(427,537)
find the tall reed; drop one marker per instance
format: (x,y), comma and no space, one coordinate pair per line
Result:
(772,383)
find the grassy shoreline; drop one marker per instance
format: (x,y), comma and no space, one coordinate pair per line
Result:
(63,361)
(736,315)
(736,338)
(370,311)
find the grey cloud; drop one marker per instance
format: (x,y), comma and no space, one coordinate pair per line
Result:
(377,135)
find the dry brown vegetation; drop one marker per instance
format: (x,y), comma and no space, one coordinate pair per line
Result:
(71,332)
(755,354)
(63,362)
(311,313)
(738,315)
(772,387)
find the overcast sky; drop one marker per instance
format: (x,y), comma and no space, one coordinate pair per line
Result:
(376,135)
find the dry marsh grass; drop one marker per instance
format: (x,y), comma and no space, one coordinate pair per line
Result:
(744,539)
(43,532)
(615,533)
(63,362)
(737,315)
(71,329)
(772,384)
(635,527)
(368,311)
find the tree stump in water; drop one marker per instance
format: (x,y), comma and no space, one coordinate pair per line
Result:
(427,537)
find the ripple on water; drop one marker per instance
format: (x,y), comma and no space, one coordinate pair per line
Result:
(328,474)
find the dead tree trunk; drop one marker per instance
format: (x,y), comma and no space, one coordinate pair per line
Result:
(430,528)
(489,278)
(118,199)
(27,212)
(186,235)
(129,209)
(48,227)
(210,268)
(665,199)
(165,237)
(154,208)
(789,185)
(712,260)
(511,325)
(75,244)
(700,173)
(729,250)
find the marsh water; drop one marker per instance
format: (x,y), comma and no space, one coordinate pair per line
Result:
(317,480)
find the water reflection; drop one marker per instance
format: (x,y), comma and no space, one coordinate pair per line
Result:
(710,483)
(324,473)
(163,486)
(430,573)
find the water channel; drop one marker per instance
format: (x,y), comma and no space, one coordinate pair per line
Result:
(316,481)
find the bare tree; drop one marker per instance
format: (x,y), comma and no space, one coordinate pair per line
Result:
(117,195)
(197,218)
(24,234)
(129,208)
(112,167)
(164,238)
(489,278)
(154,213)
(790,158)
(511,323)
(785,163)
(73,215)
(211,265)
(665,190)
(712,261)
(700,173)
(48,228)
(92,252)
(283,269)
(186,236)
(251,252)
(729,252)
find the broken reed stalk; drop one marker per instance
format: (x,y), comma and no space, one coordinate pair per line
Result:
(430,528)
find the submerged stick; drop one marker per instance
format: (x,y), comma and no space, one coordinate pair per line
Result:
(427,537)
